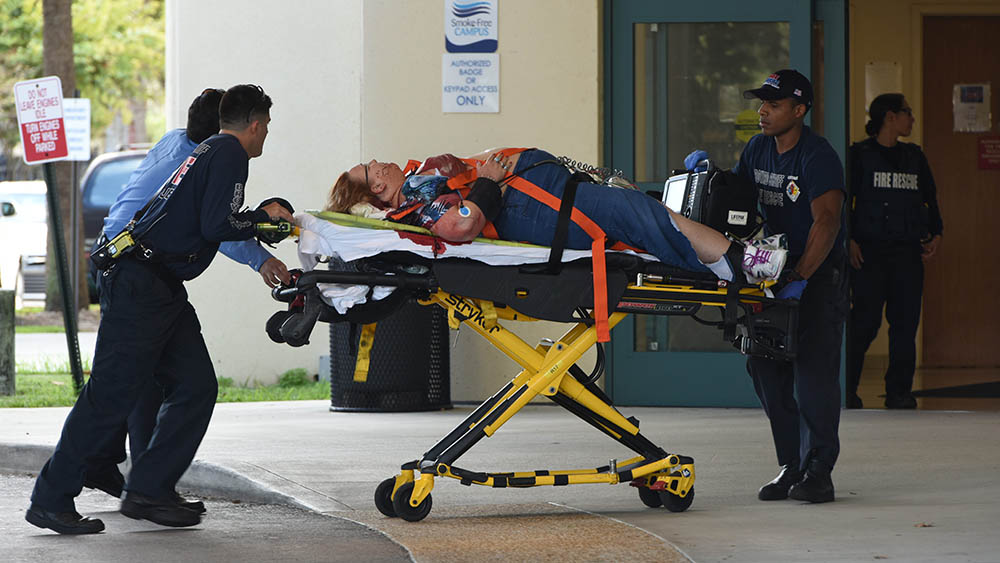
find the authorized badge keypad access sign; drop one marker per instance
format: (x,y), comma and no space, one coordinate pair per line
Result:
(470,69)
(39,105)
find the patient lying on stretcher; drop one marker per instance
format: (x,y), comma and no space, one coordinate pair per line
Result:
(496,198)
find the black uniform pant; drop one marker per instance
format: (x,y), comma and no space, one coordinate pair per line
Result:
(891,277)
(139,429)
(147,327)
(802,398)
(141,421)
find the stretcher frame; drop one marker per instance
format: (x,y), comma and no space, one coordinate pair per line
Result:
(549,369)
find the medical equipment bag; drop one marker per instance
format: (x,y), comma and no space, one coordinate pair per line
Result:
(717,198)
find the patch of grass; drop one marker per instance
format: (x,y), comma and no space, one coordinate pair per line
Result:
(28,329)
(29,310)
(310,391)
(41,391)
(57,391)
(294,378)
(47,366)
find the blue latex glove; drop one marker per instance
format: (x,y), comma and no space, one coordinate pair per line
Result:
(793,290)
(691,161)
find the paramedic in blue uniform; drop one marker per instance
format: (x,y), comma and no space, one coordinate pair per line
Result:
(152,172)
(801,188)
(895,226)
(148,328)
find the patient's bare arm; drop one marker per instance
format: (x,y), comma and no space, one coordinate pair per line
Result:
(455,226)
(465,221)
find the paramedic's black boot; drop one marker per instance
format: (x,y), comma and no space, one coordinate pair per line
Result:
(107,479)
(195,505)
(816,486)
(905,401)
(63,522)
(165,512)
(777,489)
(854,402)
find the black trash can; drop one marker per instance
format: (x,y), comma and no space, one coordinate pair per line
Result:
(409,363)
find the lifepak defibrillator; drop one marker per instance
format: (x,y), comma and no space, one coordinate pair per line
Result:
(717,198)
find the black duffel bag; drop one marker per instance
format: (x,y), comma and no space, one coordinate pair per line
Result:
(718,198)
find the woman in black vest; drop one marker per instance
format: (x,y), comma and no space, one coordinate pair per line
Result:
(895,226)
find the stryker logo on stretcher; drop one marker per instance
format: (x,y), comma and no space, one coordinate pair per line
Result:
(472,313)
(895,180)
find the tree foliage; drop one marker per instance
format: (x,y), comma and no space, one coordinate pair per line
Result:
(118,55)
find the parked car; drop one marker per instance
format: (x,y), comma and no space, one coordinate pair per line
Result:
(24,232)
(104,178)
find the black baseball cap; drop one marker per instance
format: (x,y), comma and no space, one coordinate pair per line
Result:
(787,83)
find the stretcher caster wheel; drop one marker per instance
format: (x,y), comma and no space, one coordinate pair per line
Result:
(296,340)
(401,504)
(649,497)
(383,497)
(674,503)
(273,326)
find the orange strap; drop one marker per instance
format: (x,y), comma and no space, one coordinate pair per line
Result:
(470,175)
(460,183)
(596,250)
(411,167)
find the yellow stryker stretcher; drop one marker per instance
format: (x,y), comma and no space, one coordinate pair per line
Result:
(481,295)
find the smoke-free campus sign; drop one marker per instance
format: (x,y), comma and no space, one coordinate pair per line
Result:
(40,117)
(470,26)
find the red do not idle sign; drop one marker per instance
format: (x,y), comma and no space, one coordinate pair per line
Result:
(40,118)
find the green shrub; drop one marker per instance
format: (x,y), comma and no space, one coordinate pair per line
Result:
(225,382)
(294,378)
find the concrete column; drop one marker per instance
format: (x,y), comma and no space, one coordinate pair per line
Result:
(6,342)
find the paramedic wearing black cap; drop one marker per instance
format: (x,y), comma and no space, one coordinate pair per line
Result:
(801,183)
(801,187)
(895,225)
(148,327)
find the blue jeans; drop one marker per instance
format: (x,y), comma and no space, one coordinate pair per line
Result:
(628,216)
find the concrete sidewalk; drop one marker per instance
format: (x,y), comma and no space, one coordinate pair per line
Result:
(911,485)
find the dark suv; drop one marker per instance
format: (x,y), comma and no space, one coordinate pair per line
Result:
(103,180)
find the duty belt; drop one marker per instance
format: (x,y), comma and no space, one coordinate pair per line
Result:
(146,254)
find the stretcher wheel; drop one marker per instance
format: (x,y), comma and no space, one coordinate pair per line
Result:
(674,503)
(401,504)
(273,326)
(649,497)
(383,497)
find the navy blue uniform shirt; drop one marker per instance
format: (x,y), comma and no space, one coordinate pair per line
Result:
(789,182)
(159,164)
(204,208)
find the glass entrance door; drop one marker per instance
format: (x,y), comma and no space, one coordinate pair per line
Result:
(676,77)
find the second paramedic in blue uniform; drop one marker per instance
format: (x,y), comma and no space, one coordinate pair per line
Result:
(801,185)
(895,226)
(152,172)
(149,329)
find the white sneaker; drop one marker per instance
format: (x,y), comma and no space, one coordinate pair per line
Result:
(764,259)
